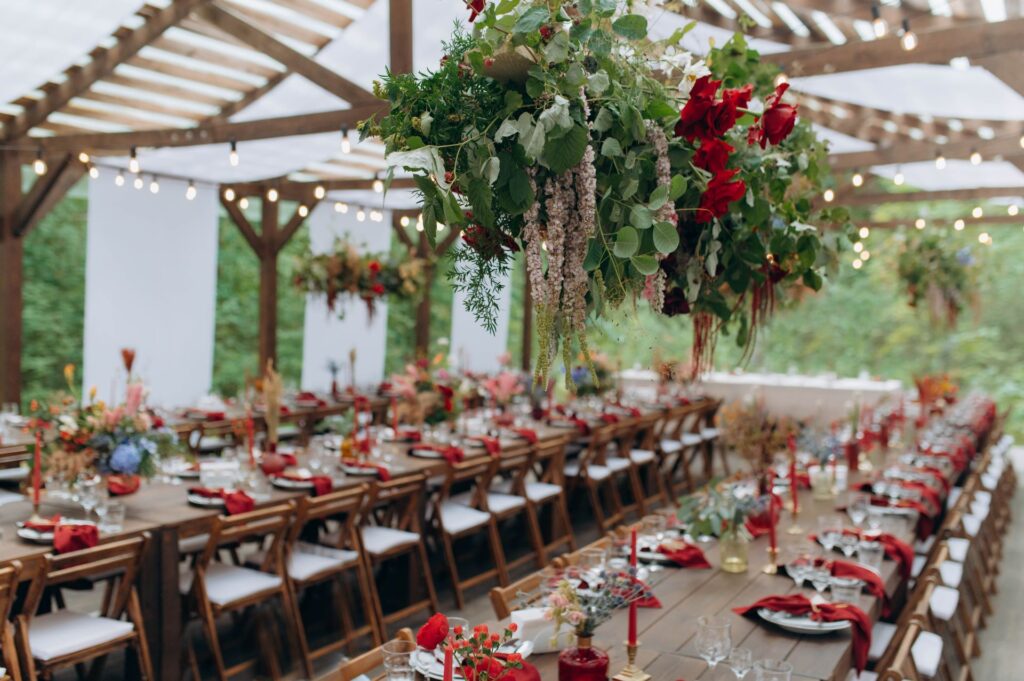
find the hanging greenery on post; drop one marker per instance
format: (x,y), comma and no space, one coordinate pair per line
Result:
(938,276)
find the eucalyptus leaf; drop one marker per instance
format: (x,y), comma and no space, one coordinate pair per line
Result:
(557,48)
(598,82)
(564,152)
(666,237)
(659,197)
(556,115)
(631,26)
(611,147)
(677,188)
(532,19)
(646,264)
(640,217)
(604,120)
(627,241)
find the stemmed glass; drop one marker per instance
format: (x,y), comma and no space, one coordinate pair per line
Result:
(89,493)
(857,509)
(821,577)
(829,532)
(848,542)
(714,640)
(740,661)
(654,529)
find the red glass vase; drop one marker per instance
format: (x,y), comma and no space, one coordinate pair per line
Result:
(583,662)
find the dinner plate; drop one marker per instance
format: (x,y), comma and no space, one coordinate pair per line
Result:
(358,470)
(46,538)
(801,624)
(205,502)
(427,663)
(425,453)
(653,557)
(285,483)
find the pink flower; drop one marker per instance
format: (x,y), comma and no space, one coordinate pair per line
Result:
(503,386)
(557,600)
(133,397)
(505,358)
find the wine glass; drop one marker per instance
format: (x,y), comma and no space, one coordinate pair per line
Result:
(714,640)
(740,661)
(829,530)
(773,670)
(821,577)
(848,543)
(654,531)
(857,509)
(89,493)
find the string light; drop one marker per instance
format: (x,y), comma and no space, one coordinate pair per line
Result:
(865,256)
(977,212)
(404,221)
(154,185)
(985,238)
(908,39)
(878,24)
(864,232)
(940,160)
(920,223)
(94,172)
(781,79)
(346,143)
(1012,209)
(419,222)
(858,247)
(243,203)
(857,179)
(229,194)
(83,158)
(190,192)
(39,165)
(959,225)
(829,195)
(137,182)
(1022,141)
(340,207)
(975,157)
(857,264)
(361,215)
(378,185)
(272,195)
(303,211)
(898,177)
(376,215)
(319,192)
(119,178)
(133,161)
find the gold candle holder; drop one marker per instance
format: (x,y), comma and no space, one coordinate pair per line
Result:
(631,672)
(772,568)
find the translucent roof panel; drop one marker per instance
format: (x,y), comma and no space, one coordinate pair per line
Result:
(957,174)
(838,143)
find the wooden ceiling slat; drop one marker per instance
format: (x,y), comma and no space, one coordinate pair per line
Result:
(214,57)
(855,198)
(166,89)
(206,30)
(279,26)
(125,118)
(1007,67)
(63,128)
(197,75)
(317,11)
(143,105)
(705,14)
(1007,146)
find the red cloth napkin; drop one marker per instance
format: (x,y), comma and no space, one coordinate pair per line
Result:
(895,549)
(580,424)
(75,537)
(689,556)
(491,444)
(925,522)
(408,435)
(234,502)
(798,604)
(928,493)
(120,485)
(449,453)
(289,458)
(322,484)
(214,415)
(632,411)
(939,476)
(383,472)
(609,418)
(43,524)
(872,580)
(527,434)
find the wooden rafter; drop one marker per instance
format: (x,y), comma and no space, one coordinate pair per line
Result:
(854,198)
(168,68)
(969,221)
(778,32)
(912,152)
(142,105)
(243,225)
(46,192)
(293,224)
(846,11)
(976,40)
(276,25)
(235,24)
(104,60)
(400,35)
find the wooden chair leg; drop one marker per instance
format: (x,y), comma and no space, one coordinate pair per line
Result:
(427,578)
(378,609)
(142,645)
(9,651)
(367,589)
(497,552)
(639,495)
(561,509)
(292,611)
(210,630)
(595,504)
(453,571)
(268,651)
(536,537)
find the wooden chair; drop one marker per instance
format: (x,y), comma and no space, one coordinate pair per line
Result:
(523,593)
(646,475)
(8,594)
(64,637)
(709,435)
(571,559)
(216,588)
(390,527)
(508,497)
(679,444)
(458,515)
(313,563)
(588,471)
(545,486)
(367,663)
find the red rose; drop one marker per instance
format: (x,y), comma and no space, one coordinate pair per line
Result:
(475,7)
(693,118)
(433,633)
(776,122)
(546,32)
(374,267)
(723,115)
(492,667)
(712,155)
(721,191)
(378,288)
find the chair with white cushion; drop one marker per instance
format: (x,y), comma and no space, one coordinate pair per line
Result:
(213,588)
(680,444)
(65,637)
(510,498)
(709,435)
(456,515)
(589,471)
(8,593)
(391,527)
(647,477)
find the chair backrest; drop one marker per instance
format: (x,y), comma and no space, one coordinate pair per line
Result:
(549,460)
(570,559)
(900,667)
(601,436)
(265,523)
(515,464)
(689,419)
(647,428)
(8,589)
(120,558)
(11,456)
(368,662)
(523,593)
(476,473)
(343,506)
(396,503)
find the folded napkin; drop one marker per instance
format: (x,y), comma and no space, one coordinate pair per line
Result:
(504,420)
(322,484)
(75,537)
(214,415)
(310,397)
(527,434)
(939,476)
(491,444)
(609,418)
(872,580)
(120,485)
(581,424)
(235,501)
(383,472)
(687,555)
(448,452)
(632,411)
(43,524)
(798,604)
(408,435)
(533,624)
(895,549)
(927,492)
(289,458)
(925,519)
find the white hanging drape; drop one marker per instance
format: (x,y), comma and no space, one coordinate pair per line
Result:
(328,338)
(151,285)
(473,348)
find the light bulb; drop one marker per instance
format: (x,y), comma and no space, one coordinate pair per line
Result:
(940,161)
(377,216)
(878,24)
(865,256)
(133,162)
(864,232)
(83,157)
(419,223)
(340,207)
(984,238)
(919,223)
(94,172)
(39,165)
(958,225)
(1012,209)
(857,179)
(781,79)
(229,194)
(119,178)
(346,143)
(858,247)
(898,178)
(190,192)
(829,196)
(243,203)
(1022,141)
(319,192)
(857,264)
(303,211)
(378,185)
(154,186)
(272,195)
(361,215)
(977,212)
(975,158)
(137,182)
(233,154)
(908,41)
(404,221)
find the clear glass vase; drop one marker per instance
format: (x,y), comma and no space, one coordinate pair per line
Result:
(732,552)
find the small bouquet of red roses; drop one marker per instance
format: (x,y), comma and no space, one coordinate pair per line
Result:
(476,653)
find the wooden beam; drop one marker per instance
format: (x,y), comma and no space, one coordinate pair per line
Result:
(11,283)
(974,40)
(293,224)
(400,232)
(268,282)
(315,10)
(276,25)
(233,23)
(142,105)
(779,32)
(400,35)
(303,191)
(1007,67)
(912,152)
(80,78)
(166,89)
(852,198)
(848,10)
(527,349)
(243,225)
(969,221)
(195,75)
(244,62)
(220,133)
(46,192)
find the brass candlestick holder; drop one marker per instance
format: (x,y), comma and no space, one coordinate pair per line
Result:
(772,568)
(631,672)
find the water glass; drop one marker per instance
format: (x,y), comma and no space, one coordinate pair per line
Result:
(458,622)
(714,639)
(820,577)
(829,530)
(848,543)
(870,554)
(88,492)
(740,661)
(796,568)
(653,528)
(111,514)
(773,670)
(846,590)
(591,563)
(398,660)
(857,509)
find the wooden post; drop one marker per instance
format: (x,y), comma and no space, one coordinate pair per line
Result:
(422,345)
(400,35)
(527,349)
(268,281)
(11,279)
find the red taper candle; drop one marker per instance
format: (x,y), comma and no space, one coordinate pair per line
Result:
(632,605)
(37,464)
(771,513)
(449,663)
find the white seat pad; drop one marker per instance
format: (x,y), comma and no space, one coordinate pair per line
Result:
(863,676)
(989,481)
(958,548)
(671,446)
(535,491)
(709,433)
(943,602)
(918,565)
(594,472)
(924,547)
(641,456)
(951,572)
(927,653)
(193,544)
(378,540)
(881,636)
(616,463)
(983,498)
(227,583)
(972,525)
(308,560)
(954,494)
(497,502)
(65,631)
(458,518)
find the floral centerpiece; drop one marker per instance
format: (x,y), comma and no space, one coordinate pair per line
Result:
(503,386)
(621,165)
(749,428)
(721,510)
(427,391)
(368,276)
(476,652)
(937,275)
(593,375)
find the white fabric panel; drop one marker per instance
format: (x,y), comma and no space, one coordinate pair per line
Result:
(473,347)
(327,337)
(957,173)
(150,284)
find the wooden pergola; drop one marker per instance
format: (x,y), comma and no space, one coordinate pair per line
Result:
(67,122)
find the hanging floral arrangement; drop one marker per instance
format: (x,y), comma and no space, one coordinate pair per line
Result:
(619,164)
(937,275)
(369,277)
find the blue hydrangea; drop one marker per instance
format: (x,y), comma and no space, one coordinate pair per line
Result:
(126,458)
(580,375)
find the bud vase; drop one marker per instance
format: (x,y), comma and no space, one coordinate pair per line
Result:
(732,552)
(582,662)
